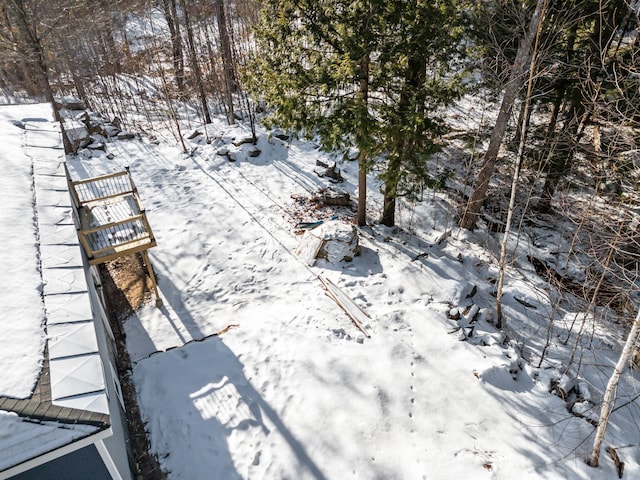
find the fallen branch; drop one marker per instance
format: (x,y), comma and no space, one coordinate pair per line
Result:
(226,329)
(619,464)
(358,316)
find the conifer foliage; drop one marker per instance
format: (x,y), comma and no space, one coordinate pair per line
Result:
(367,75)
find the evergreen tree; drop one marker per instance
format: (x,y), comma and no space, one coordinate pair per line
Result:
(368,73)
(418,64)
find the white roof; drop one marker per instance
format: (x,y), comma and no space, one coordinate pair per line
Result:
(21,441)
(42,284)
(77,379)
(22,311)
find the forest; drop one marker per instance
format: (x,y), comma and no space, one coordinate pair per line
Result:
(374,83)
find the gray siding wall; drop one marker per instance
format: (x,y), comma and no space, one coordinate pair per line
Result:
(83,464)
(118,444)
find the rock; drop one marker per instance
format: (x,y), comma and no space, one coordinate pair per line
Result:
(96,118)
(77,133)
(254,152)
(334,241)
(83,117)
(241,141)
(70,103)
(280,134)
(126,136)
(111,130)
(335,197)
(97,129)
(97,143)
(323,169)
(194,134)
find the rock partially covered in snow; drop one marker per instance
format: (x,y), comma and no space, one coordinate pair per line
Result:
(334,241)
(329,170)
(333,196)
(77,133)
(70,103)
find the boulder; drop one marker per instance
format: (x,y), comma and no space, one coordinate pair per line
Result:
(97,143)
(77,133)
(333,241)
(280,134)
(111,130)
(70,103)
(332,196)
(126,136)
(83,117)
(242,140)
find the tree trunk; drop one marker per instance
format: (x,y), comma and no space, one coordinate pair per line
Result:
(36,56)
(34,51)
(550,140)
(171,16)
(78,81)
(195,66)
(608,399)
(516,177)
(514,84)
(392,178)
(415,77)
(230,82)
(560,158)
(363,93)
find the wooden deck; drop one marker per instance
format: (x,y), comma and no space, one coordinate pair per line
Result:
(110,219)
(112,222)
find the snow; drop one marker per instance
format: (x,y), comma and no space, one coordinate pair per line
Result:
(250,370)
(290,388)
(21,306)
(21,441)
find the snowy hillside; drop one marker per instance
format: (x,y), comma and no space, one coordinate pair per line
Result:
(290,388)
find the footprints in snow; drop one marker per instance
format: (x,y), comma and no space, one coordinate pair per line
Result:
(341,334)
(412,398)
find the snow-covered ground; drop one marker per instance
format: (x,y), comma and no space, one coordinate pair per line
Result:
(290,388)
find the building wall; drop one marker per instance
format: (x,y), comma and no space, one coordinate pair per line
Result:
(118,445)
(83,464)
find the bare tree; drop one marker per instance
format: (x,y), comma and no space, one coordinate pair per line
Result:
(230,81)
(608,399)
(195,64)
(516,80)
(173,22)
(23,16)
(516,173)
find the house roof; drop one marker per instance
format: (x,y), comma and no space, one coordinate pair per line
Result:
(52,383)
